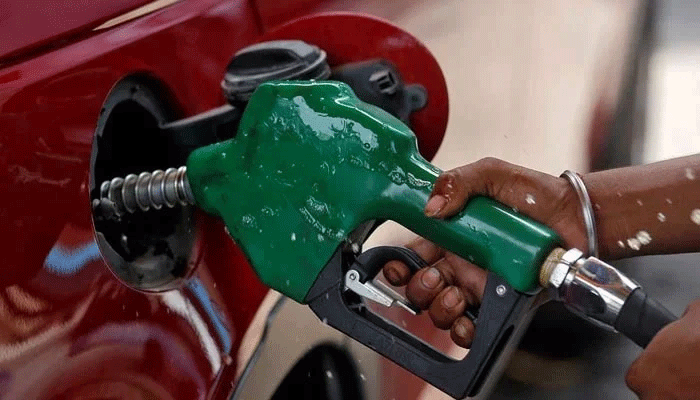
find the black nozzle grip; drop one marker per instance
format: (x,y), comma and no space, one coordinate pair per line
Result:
(641,317)
(502,308)
(372,261)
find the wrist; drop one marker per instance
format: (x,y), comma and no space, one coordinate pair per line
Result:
(611,214)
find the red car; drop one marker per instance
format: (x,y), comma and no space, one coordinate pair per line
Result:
(162,305)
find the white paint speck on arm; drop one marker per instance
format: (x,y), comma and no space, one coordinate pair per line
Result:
(695,216)
(530,199)
(640,202)
(644,237)
(661,217)
(621,244)
(690,174)
(634,244)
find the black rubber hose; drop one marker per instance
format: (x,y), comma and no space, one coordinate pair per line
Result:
(641,317)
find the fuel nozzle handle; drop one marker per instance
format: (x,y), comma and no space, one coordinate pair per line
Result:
(600,293)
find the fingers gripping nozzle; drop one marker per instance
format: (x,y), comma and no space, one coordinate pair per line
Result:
(147,190)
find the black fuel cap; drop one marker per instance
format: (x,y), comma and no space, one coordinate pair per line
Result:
(274,60)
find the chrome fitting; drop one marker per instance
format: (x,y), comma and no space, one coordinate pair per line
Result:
(557,266)
(589,287)
(596,290)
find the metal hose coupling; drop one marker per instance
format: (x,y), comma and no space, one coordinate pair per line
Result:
(586,285)
(148,190)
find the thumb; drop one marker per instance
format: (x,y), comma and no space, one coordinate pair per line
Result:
(453,188)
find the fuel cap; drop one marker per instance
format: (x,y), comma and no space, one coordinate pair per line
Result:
(273,60)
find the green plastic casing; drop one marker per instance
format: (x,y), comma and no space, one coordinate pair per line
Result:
(311,162)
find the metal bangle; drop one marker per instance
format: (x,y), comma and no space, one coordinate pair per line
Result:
(586,208)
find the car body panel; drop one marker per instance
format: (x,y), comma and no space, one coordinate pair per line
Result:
(69,327)
(52,22)
(276,12)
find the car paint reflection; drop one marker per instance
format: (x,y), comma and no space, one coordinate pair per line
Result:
(54,323)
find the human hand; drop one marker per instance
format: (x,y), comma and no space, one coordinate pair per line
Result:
(451,283)
(668,368)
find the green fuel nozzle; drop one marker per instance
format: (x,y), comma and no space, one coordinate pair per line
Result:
(313,170)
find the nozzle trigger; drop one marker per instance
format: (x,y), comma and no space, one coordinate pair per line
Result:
(384,295)
(360,277)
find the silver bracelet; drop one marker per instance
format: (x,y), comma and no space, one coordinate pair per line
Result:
(586,208)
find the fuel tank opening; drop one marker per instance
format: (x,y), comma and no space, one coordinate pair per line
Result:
(148,250)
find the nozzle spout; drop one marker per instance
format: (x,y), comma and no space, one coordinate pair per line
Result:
(147,190)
